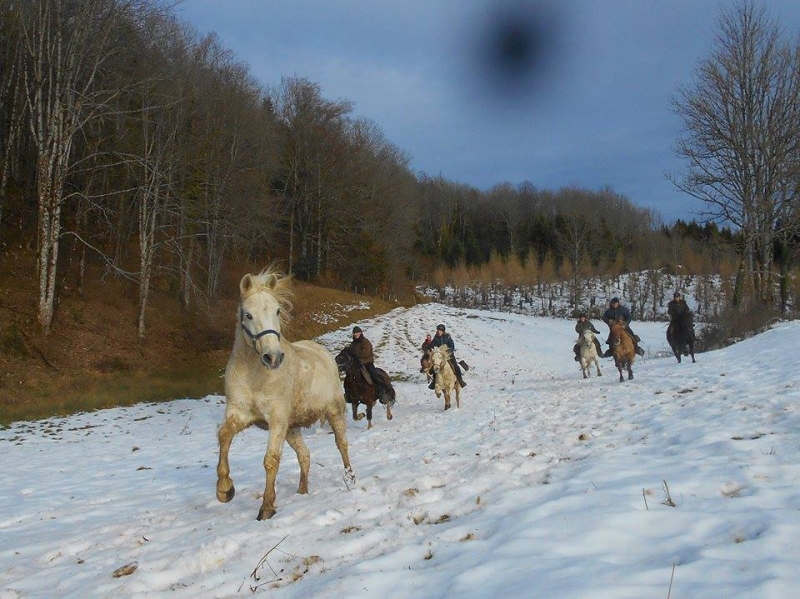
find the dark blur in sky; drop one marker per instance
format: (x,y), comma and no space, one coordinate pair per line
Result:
(561,93)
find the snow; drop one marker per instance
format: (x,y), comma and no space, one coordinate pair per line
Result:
(682,482)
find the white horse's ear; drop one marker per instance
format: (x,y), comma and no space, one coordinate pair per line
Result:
(270,281)
(246,284)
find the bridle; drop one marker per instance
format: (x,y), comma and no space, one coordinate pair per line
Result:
(257,336)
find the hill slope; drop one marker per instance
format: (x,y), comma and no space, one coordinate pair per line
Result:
(93,357)
(679,483)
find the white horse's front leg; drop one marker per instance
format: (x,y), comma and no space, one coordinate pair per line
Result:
(227,431)
(272,461)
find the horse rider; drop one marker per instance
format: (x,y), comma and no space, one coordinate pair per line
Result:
(582,326)
(443,338)
(677,309)
(426,348)
(615,312)
(361,350)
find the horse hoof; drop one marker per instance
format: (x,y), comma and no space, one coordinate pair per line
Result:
(389,415)
(265,513)
(359,417)
(226,496)
(349,477)
(369,425)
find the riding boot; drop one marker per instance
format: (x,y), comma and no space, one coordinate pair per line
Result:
(597,347)
(432,386)
(576,348)
(639,351)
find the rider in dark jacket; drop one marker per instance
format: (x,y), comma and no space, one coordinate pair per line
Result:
(581,326)
(361,350)
(444,338)
(614,312)
(677,309)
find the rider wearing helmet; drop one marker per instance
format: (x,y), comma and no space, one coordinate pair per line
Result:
(361,350)
(581,326)
(443,338)
(677,308)
(615,312)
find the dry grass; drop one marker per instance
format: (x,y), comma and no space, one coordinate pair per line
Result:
(94,360)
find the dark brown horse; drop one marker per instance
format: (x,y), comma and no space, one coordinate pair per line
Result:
(680,336)
(622,348)
(425,365)
(358,391)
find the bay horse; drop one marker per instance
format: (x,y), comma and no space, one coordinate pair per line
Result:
(358,391)
(680,336)
(622,349)
(445,379)
(277,385)
(425,365)
(588,353)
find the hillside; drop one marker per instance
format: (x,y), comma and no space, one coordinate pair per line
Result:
(679,483)
(93,358)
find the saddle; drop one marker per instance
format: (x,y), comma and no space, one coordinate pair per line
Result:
(365,374)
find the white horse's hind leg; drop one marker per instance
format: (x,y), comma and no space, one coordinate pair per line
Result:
(295,440)
(458,395)
(336,419)
(597,365)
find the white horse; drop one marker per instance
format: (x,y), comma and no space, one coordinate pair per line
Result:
(588,354)
(276,385)
(445,376)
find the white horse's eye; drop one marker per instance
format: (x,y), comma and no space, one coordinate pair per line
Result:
(278,313)
(248,316)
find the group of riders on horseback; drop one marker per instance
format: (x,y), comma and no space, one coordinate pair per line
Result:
(360,349)
(677,309)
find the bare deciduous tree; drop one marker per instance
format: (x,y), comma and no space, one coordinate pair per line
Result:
(741,137)
(65,46)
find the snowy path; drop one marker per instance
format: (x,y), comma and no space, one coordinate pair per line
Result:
(542,484)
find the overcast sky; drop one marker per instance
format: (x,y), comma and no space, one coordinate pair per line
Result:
(581,96)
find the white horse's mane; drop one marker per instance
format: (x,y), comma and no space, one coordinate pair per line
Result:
(445,351)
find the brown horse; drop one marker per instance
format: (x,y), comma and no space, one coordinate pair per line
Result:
(425,365)
(622,349)
(358,391)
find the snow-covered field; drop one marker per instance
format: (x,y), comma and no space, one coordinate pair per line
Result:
(684,482)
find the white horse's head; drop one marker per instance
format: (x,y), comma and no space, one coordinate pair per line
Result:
(588,337)
(264,309)
(439,357)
